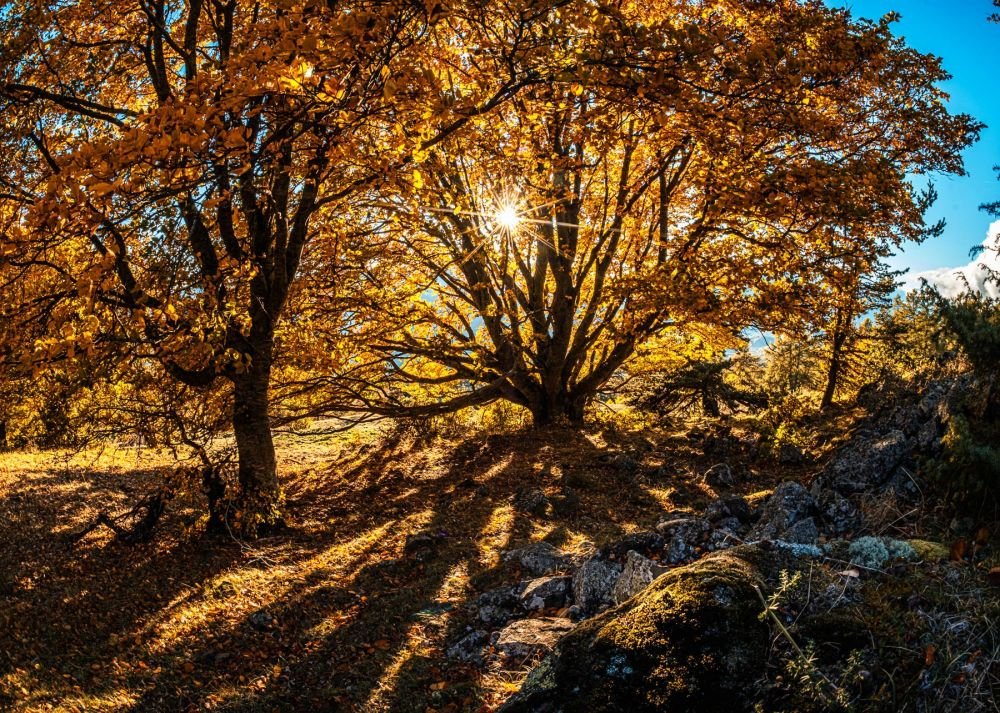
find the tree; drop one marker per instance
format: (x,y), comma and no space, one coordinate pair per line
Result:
(686,178)
(167,167)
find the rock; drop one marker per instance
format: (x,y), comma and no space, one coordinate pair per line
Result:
(682,537)
(420,545)
(692,641)
(470,648)
(530,637)
(498,606)
(621,461)
(731,506)
(837,514)
(637,574)
(790,454)
(593,584)
(865,464)
(531,501)
(930,551)
(538,559)
(726,534)
(720,475)
(546,592)
(804,532)
(645,543)
(789,504)
(262,621)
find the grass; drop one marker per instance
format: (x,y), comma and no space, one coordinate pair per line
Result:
(335,615)
(332,616)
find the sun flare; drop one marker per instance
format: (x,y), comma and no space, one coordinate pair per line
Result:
(508,218)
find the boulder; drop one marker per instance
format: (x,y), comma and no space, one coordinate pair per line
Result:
(526,638)
(732,506)
(789,504)
(498,606)
(645,543)
(865,464)
(538,559)
(804,532)
(531,501)
(720,475)
(837,514)
(637,574)
(470,648)
(790,454)
(691,641)
(546,592)
(593,584)
(683,537)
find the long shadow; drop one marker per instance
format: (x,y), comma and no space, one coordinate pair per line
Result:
(66,608)
(390,550)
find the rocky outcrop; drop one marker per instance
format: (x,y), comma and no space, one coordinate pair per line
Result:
(693,640)
(787,515)
(529,637)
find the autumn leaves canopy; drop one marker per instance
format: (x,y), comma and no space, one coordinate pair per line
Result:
(278,209)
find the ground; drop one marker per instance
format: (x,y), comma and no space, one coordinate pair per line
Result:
(337,614)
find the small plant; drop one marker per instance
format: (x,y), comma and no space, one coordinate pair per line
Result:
(803,665)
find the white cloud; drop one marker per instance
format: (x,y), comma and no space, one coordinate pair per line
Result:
(951,281)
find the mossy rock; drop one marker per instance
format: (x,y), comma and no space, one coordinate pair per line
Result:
(692,641)
(930,551)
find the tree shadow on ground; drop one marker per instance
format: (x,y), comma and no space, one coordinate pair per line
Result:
(353,609)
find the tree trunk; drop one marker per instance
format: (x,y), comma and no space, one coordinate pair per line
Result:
(558,409)
(259,507)
(833,373)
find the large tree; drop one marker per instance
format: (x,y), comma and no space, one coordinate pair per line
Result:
(690,180)
(169,166)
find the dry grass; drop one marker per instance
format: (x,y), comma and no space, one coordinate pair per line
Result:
(332,616)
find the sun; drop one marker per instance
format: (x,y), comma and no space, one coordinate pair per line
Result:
(507,218)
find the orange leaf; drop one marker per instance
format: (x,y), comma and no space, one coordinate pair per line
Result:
(958,549)
(929,654)
(981,537)
(993,576)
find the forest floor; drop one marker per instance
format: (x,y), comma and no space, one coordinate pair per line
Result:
(334,615)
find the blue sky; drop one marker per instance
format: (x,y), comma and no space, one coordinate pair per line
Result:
(958,32)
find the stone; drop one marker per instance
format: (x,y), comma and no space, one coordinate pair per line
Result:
(790,454)
(262,621)
(683,537)
(726,534)
(789,504)
(637,574)
(837,514)
(646,543)
(527,638)
(471,648)
(693,640)
(538,559)
(865,464)
(593,584)
(621,461)
(804,532)
(546,592)
(419,545)
(498,606)
(720,475)
(732,506)
(531,501)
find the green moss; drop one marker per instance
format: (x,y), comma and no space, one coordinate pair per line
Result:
(929,551)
